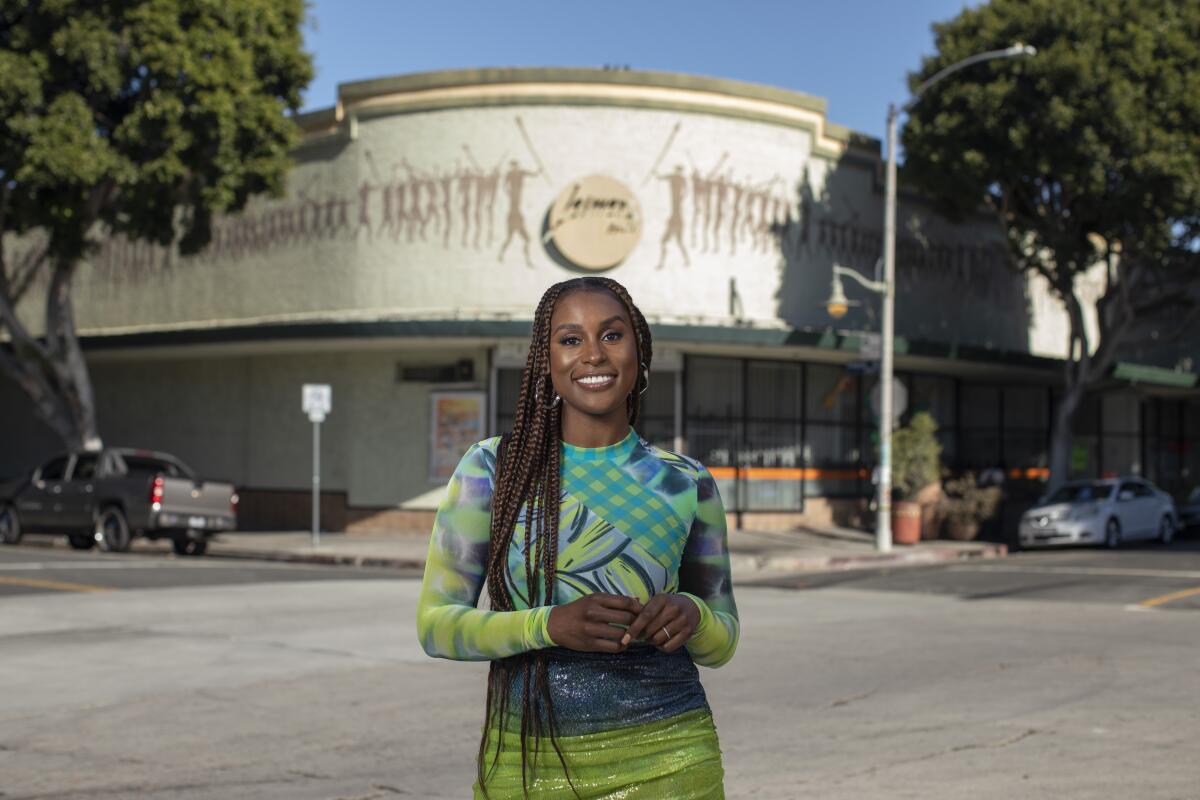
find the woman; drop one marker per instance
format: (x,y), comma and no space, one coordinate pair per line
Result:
(601,608)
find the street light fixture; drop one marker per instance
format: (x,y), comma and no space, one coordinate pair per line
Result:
(883,524)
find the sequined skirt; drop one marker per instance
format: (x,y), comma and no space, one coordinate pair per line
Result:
(631,725)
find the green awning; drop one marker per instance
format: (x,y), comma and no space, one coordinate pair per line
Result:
(1158,376)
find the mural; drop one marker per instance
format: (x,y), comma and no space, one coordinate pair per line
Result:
(717,209)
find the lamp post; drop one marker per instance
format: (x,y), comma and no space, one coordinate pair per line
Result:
(886,288)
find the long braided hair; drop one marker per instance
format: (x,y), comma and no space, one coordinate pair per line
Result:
(527,474)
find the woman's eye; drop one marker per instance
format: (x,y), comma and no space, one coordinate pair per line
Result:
(569,340)
(612,336)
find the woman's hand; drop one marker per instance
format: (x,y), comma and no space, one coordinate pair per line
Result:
(669,620)
(589,624)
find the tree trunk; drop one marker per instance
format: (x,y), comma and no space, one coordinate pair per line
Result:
(1061,433)
(52,371)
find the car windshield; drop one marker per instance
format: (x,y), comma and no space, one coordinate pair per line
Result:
(1080,493)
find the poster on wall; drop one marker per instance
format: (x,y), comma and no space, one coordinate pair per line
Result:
(458,423)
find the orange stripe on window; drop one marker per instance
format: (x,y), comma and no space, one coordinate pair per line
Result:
(1031,474)
(787,473)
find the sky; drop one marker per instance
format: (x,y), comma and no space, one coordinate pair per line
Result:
(854,53)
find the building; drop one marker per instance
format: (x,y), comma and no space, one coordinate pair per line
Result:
(426,215)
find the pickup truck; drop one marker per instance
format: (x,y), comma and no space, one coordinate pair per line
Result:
(107,497)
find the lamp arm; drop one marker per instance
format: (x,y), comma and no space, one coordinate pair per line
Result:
(878,287)
(1007,52)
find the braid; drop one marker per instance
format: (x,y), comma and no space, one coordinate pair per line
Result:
(528,474)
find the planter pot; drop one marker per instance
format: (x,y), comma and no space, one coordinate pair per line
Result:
(962,530)
(906,522)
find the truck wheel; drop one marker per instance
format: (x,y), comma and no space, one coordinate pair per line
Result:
(190,543)
(112,530)
(10,525)
(81,541)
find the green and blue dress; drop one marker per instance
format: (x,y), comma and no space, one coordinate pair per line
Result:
(635,520)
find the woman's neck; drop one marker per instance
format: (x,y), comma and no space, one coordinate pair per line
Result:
(584,430)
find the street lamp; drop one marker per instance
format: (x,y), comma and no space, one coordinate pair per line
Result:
(837,304)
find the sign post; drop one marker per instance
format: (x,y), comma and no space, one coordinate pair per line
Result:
(316,400)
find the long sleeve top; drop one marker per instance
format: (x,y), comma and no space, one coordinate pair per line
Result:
(633,519)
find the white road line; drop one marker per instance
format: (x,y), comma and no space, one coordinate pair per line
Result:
(1110,571)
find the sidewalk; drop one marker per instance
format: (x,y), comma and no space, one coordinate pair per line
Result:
(752,553)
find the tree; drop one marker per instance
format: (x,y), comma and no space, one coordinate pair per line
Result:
(1088,153)
(137,118)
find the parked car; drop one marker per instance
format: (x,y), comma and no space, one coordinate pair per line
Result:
(1105,512)
(1189,512)
(108,497)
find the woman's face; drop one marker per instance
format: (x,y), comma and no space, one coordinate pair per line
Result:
(593,353)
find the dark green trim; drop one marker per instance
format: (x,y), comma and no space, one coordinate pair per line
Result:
(401,329)
(1157,376)
(842,342)
(509,329)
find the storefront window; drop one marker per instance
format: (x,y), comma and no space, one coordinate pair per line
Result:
(979,411)
(936,395)
(1026,422)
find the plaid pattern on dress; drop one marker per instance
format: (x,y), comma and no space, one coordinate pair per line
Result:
(629,506)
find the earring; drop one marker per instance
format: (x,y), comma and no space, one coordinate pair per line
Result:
(541,389)
(646,377)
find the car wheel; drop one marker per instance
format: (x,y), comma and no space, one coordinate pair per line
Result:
(1112,534)
(81,541)
(112,530)
(1166,530)
(10,526)
(190,543)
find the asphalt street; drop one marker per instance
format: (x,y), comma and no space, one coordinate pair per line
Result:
(1136,577)
(33,569)
(1144,576)
(1067,675)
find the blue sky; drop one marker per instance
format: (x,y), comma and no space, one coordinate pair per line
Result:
(854,53)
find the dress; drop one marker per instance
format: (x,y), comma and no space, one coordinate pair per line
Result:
(634,520)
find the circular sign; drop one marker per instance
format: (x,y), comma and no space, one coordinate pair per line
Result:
(899,399)
(595,222)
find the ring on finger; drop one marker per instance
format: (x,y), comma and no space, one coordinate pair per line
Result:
(667,632)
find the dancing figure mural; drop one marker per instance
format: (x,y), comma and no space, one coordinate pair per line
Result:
(677,185)
(514,187)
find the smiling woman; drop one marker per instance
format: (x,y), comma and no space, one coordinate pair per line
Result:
(607,567)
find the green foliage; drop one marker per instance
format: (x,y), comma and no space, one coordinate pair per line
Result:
(143,115)
(967,502)
(916,455)
(1089,148)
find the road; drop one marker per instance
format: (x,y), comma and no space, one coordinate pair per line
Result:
(1044,675)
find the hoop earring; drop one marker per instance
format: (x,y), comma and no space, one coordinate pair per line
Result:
(541,389)
(646,376)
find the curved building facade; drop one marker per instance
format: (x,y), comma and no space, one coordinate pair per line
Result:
(427,213)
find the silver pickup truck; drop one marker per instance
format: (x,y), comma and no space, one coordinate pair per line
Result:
(107,497)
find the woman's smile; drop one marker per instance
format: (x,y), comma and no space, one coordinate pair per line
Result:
(598,382)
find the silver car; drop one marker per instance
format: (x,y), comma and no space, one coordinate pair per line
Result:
(1100,512)
(1189,514)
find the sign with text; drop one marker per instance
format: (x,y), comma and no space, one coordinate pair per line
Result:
(594,223)
(316,400)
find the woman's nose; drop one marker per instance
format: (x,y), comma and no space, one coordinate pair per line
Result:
(593,353)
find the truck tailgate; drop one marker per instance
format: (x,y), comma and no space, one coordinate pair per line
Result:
(204,499)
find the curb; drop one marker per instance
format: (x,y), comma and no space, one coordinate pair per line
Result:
(325,559)
(828,563)
(839,563)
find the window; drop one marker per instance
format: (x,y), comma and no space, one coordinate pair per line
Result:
(54,469)
(1026,424)
(147,466)
(85,468)
(657,421)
